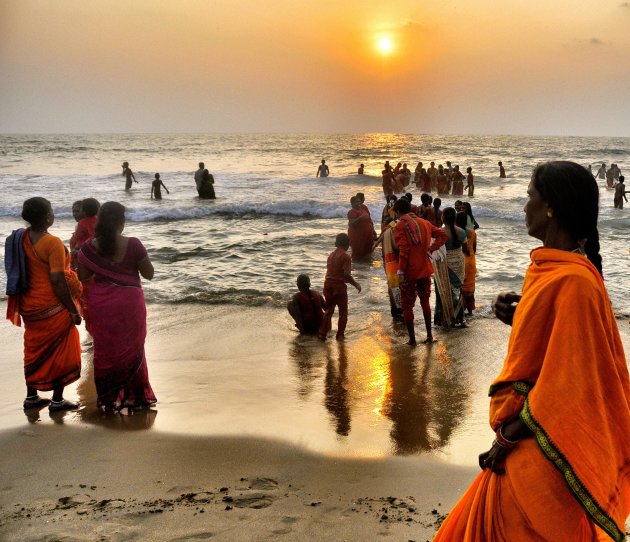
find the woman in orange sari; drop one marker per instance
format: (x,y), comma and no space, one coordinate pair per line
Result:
(559,468)
(52,351)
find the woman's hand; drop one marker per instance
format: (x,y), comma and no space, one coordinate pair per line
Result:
(504,306)
(494,458)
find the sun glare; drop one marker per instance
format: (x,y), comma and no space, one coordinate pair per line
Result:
(385,45)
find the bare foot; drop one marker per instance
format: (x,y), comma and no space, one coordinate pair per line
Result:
(429,340)
(411,343)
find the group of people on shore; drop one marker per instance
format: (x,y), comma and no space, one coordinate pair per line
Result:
(52,290)
(204,181)
(410,260)
(558,466)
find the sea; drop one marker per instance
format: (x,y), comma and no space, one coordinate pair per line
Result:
(274,219)
(236,259)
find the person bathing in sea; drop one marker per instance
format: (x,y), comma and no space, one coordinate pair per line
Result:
(156,187)
(360,170)
(322,170)
(128,175)
(620,193)
(501,170)
(306,307)
(338,273)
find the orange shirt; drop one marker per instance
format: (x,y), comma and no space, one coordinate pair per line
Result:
(413,259)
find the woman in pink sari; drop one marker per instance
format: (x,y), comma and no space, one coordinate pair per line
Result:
(117,312)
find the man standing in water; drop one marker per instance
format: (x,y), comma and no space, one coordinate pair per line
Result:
(322,170)
(199,177)
(501,170)
(128,175)
(412,236)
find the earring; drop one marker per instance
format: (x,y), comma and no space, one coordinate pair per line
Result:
(549,213)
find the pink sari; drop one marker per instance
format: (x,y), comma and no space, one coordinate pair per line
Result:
(118,322)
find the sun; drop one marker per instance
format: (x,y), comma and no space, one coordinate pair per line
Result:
(385,45)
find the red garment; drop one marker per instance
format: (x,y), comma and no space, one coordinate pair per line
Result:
(311,308)
(84,232)
(413,259)
(361,234)
(338,262)
(408,291)
(336,296)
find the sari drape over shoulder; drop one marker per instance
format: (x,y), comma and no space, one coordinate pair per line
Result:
(52,349)
(117,314)
(470,271)
(566,376)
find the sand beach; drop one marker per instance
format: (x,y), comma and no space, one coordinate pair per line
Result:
(259,434)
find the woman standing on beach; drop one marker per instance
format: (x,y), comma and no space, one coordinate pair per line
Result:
(117,312)
(559,468)
(48,305)
(470,263)
(449,308)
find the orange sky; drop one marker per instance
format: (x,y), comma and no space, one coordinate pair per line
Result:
(479,66)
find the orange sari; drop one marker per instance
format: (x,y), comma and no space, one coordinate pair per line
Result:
(52,349)
(566,376)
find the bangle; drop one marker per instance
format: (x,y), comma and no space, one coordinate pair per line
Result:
(502,441)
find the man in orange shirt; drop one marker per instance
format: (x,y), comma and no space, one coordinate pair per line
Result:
(413,237)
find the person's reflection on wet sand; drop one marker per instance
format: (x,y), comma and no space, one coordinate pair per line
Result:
(407,402)
(427,400)
(335,388)
(306,354)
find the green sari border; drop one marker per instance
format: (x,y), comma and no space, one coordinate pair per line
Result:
(520,386)
(586,500)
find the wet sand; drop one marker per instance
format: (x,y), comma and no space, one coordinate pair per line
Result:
(258,434)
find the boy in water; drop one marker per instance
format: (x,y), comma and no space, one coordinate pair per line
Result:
(156,185)
(338,273)
(620,193)
(306,307)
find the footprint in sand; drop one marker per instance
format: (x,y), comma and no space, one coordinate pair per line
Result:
(263,483)
(253,499)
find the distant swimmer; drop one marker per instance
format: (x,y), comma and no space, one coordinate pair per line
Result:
(601,172)
(204,182)
(501,170)
(322,170)
(471,184)
(360,170)
(128,175)
(306,307)
(620,193)
(156,187)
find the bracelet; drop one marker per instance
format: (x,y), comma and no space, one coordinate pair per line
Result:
(502,441)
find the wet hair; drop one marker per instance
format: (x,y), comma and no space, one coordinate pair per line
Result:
(303,282)
(437,202)
(361,196)
(35,210)
(461,219)
(571,191)
(409,196)
(448,216)
(342,240)
(621,178)
(424,198)
(157,176)
(353,199)
(111,216)
(90,206)
(402,206)
(468,210)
